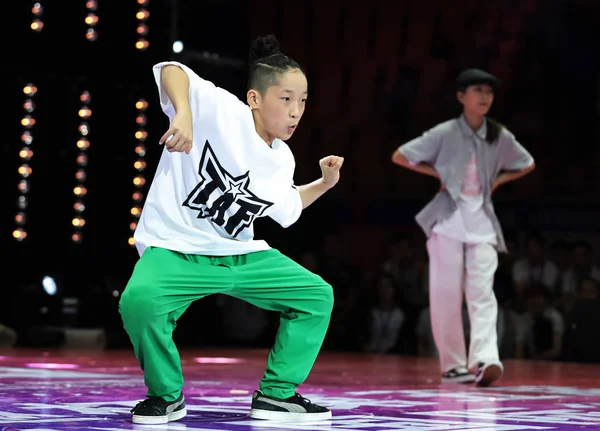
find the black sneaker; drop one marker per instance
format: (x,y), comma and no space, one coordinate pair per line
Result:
(458,375)
(155,410)
(488,373)
(294,409)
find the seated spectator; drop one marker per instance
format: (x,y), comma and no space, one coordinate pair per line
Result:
(535,267)
(582,323)
(540,330)
(386,319)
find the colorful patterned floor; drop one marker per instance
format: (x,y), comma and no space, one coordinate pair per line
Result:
(72,390)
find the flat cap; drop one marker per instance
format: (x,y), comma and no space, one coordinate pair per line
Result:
(474,77)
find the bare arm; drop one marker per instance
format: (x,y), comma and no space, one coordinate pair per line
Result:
(312,191)
(330,168)
(423,168)
(177,86)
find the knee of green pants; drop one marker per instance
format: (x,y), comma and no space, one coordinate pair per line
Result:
(327,299)
(135,308)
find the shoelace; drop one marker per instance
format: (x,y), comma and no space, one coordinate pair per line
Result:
(304,400)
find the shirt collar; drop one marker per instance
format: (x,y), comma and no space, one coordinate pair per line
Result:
(467,131)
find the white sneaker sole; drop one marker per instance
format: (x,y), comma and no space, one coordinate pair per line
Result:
(288,416)
(157,420)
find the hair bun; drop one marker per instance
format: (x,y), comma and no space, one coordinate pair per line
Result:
(263,46)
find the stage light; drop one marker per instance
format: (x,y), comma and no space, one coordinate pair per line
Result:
(139,165)
(91,19)
(141,135)
(82,160)
(37,11)
(25,154)
(142,16)
(142,30)
(49,285)
(177,46)
(83,145)
(142,44)
(141,105)
(139,181)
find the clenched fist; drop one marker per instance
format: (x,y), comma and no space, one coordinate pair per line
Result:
(330,168)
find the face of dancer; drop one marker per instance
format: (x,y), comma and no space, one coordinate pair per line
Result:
(477,99)
(278,111)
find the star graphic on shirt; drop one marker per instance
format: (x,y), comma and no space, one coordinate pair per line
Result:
(223,198)
(238,187)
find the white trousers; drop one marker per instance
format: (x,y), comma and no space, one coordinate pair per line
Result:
(458,270)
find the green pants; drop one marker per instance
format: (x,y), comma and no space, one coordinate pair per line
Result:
(165,283)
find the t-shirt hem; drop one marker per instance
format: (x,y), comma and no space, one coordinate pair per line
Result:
(207,252)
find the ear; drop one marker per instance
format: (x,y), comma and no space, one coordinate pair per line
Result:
(460,96)
(253,98)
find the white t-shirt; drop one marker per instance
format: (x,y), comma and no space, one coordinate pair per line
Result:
(469,223)
(206,202)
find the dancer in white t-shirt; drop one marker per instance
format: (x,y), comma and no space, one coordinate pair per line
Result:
(225,164)
(471,155)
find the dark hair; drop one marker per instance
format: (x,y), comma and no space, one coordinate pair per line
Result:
(267,63)
(493,131)
(494,128)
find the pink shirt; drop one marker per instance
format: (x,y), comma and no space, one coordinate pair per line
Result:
(471,185)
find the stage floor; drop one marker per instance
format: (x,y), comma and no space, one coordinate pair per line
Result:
(74,390)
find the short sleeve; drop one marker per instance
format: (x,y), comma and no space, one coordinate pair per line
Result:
(514,156)
(423,149)
(288,210)
(203,94)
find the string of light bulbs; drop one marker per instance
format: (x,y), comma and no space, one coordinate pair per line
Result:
(80,189)
(139,165)
(37,11)
(91,19)
(25,154)
(142,16)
